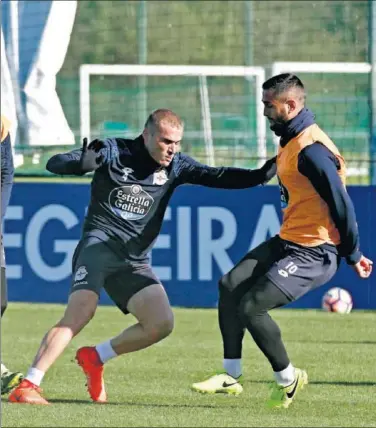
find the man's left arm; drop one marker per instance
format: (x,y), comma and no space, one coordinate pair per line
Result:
(193,172)
(320,166)
(7,174)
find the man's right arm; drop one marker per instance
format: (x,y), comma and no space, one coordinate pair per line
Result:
(87,159)
(66,163)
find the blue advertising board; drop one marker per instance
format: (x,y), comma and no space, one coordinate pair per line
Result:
(205,232)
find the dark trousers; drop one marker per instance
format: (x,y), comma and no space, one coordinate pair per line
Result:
(268,277)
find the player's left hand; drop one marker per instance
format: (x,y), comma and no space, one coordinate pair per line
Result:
(269,168)
(363,268)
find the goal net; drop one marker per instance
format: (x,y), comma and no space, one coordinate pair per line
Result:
(221,106)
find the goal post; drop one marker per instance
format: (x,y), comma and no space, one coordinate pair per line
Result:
(202,73)
(321,67)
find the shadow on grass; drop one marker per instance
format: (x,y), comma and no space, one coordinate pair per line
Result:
(53,400)
(191,406)
(343,383)
(325,382)
(335,342)
(132,404)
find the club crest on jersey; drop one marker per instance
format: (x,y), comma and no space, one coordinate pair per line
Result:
(160,177)
(126,172)
(284,194)
(81,273)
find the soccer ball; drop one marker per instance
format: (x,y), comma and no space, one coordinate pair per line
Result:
(337,300)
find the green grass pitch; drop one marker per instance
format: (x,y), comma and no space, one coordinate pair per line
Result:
(152,387)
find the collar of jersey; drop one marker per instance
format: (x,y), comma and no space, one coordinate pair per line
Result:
(297,125)
(142,152)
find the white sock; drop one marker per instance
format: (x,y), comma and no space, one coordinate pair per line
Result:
(3,369)
(285,377)
(35,376)
(105,351)
(233,367)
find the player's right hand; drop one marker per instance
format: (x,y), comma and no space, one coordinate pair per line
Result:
(363,268)
(91,157)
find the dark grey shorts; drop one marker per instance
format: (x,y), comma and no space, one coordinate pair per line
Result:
(294,269)
(96,266)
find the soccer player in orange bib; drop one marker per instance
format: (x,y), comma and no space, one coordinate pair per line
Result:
(318,229)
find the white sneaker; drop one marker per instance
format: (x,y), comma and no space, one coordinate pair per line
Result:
(219,383)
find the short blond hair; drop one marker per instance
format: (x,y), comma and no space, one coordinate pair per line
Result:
(164,116)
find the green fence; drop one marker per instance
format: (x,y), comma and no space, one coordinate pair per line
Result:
(217,33)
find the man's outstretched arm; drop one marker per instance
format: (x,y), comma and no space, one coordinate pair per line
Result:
(193,172)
